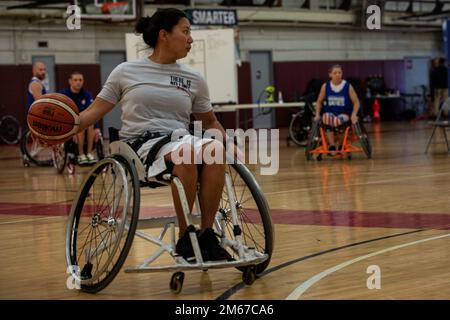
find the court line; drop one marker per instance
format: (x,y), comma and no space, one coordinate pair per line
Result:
(29,220)
(295,295)
(234,289)
(357,184)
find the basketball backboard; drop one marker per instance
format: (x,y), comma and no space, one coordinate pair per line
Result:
(118,10)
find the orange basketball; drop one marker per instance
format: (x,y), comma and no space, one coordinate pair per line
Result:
(53,118)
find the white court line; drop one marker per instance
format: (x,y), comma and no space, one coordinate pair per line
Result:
(295,295)
(358,184)
(29,220)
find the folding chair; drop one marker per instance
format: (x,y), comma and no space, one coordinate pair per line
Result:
(441,122)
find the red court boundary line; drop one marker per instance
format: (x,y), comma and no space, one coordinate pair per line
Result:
(279,216)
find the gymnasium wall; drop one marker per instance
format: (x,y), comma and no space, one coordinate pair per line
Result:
(19,41)
(308,44)
(292,77)
(299,54)
(14,82)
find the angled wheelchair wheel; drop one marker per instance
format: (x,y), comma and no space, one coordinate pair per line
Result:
(313,140)
(253,213)
(10,131)
(364,139)
(34,153)
(100,149)
(299,128)
(102,223)
(59,157)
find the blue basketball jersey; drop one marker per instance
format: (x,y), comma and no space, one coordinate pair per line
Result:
(30,98)
(338,102)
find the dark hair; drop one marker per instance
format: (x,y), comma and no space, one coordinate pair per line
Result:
(75,73)
(162,19)
(334,66)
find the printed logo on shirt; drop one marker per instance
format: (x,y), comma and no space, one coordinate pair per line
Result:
(180,82)
(336,101)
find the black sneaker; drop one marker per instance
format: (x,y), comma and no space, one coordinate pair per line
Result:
(210,243)
(331,149)
(184,247)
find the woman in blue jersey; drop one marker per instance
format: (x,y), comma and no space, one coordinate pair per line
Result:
(337,103)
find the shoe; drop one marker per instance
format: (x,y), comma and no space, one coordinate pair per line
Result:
(184,247)
(82,159)
(90,158)
(331,149)
(210,243)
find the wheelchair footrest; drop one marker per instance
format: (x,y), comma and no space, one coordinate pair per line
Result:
(198,266)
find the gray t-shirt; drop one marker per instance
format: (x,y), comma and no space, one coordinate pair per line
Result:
(155,97)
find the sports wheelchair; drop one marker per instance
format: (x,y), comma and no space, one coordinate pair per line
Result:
(302,122)
(104,219)
(33,153)
(318,143)
(66,155)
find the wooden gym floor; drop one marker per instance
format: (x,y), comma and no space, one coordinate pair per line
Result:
(333,220)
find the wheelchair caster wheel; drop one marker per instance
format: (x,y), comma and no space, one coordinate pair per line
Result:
(319,157)
(249,275)
(71,168)
(26,164)
(349,157)
(176,282)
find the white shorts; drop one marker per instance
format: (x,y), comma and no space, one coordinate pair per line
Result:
(333,120)
(159,165)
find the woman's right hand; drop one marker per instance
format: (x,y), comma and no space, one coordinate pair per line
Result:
(317,118)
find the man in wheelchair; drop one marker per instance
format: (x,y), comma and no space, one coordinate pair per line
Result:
(336,106)
(82,99)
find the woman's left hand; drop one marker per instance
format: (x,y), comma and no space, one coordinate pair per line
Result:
(354,118)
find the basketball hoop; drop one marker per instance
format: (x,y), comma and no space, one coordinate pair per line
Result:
(115,8)
(109,10)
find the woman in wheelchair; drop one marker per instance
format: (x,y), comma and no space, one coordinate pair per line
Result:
(336,105)
(157,95)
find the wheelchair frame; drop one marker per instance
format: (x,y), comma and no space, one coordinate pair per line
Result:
(62,157)
(318,142)
(301,124)
(28,158)
(126,165)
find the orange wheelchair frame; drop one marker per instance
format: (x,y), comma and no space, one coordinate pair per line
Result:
(318,142)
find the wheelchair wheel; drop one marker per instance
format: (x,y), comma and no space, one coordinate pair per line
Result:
(313,140)
(60,157)
(364,139)
(99,148)
(299,128)
(253,212)
(10,130)
(33,153)
(102,223)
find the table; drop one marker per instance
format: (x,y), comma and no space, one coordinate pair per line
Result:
(237,107)
(389,106)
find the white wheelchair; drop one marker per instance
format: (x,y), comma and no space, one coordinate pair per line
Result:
(104,219)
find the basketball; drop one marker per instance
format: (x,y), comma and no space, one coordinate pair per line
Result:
(53,118)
